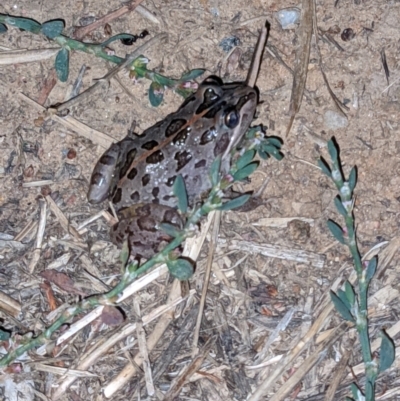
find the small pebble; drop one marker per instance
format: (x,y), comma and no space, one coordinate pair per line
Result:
(288,18)
(347,34)
(84,21)
(71,154)
(227,44)
(334,120)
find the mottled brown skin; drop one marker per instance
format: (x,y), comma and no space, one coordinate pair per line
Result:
(142,169)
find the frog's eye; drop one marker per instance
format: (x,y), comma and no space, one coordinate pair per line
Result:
(232,119)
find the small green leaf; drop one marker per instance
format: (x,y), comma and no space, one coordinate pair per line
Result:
(193,74)
(371,268)
(181,269)
(342,295)
(163,81)
(263,155)
(332,149)
(62,65)
(245,159)
(3,28)
(179,189)
(336,231)
(214,171)
(26,24)
(51,29)
(156,94)
(350,294)
(272,150)
(124,255)
(170,229)
(353,179)
(273,141)
(183,92)
(387,351)
(356,392)
(243,173)
(341,307)
(339,206)
(235,203)
(323,165)
(4,335)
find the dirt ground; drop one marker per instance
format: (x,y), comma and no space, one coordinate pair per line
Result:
(257,307)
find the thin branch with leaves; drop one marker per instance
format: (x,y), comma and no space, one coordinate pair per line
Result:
(137,68)
(352,305)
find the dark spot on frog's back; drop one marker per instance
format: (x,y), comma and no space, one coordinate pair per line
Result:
(118,196)
(174,126)
(200,164)
(182,159)
(128,161)
(150,145)
(221,144)
(214,110)
(145,179)
(155,157)
(135,197)
(181,137)
(107,160)
(155,193)
(132,174)
(170,181)
(208,136)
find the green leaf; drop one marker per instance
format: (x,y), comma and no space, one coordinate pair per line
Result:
(332,149)
(51,29)
(371,268)
(342,295)
(356,392)
(3,28)
(183,92)
(124,255)
(244,172)
(336,231)
(272,150)
(179,189)
(62,65)
(387,352)
(26,24)
(170,229)
(341,307)
(193,74)
(350,294)
(4,335)
(323,165)
(263,155)
(214,171)
(235,203)
(156,94)
(181,269)
(352,179)
(276,142)
(339,206)
(245,159)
